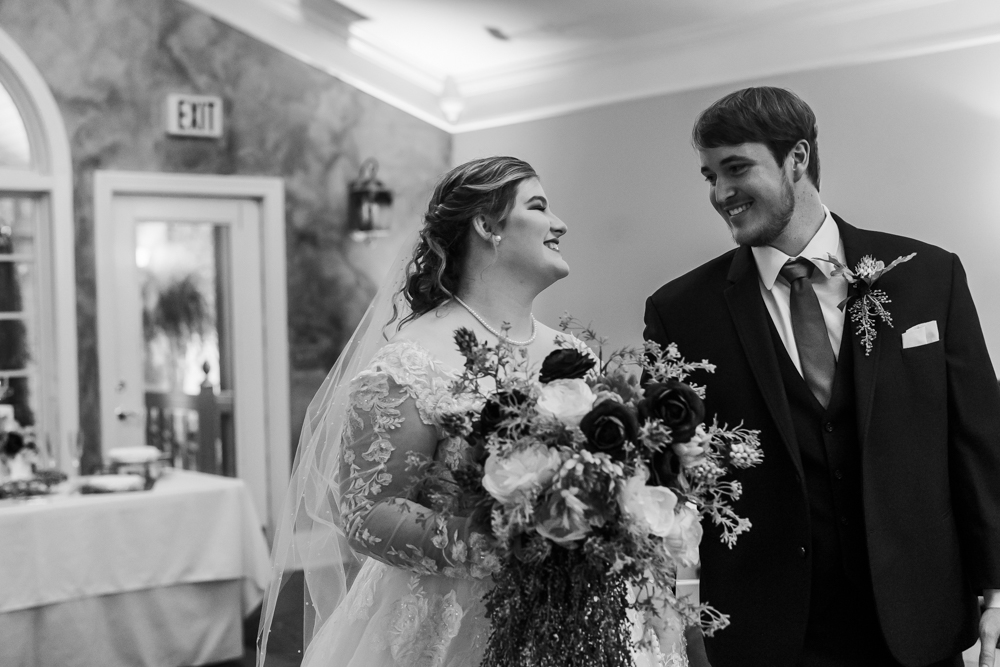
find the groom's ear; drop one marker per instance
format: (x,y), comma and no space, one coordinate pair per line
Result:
(799,158)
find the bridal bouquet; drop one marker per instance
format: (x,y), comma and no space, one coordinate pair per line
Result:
(593,488)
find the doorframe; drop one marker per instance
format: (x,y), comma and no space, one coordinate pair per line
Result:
(270,193)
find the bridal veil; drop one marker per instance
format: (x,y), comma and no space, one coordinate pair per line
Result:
(309,535)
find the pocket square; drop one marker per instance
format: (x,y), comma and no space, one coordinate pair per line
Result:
(921,334)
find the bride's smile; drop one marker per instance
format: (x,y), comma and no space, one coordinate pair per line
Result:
(529,245)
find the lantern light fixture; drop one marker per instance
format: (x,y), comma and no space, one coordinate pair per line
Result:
(369,204)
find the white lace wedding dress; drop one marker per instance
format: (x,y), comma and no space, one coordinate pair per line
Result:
(418,598)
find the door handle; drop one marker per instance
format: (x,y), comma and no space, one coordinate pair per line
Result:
(124,415)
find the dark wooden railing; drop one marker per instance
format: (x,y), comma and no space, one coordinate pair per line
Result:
(195,431)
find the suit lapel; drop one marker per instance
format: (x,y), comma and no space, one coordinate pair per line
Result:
(865,367)
(750,317)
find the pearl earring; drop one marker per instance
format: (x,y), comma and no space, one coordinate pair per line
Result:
(495,239)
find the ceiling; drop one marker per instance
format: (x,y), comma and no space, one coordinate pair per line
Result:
(468,64)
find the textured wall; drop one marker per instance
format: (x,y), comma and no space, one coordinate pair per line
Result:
(111,64)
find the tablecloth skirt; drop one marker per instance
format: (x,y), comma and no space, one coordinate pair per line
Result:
(172,626)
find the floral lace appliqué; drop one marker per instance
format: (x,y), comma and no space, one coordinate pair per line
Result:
(420,627)
(417,374)
(400,372)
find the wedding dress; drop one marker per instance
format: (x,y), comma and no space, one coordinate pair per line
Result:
(417,600)
(387,582)
(418,597)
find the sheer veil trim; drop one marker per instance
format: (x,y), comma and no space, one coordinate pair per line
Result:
(309,534)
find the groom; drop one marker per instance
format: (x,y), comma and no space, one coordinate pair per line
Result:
(876,512)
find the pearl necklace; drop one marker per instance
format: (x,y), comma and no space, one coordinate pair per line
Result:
(498,334)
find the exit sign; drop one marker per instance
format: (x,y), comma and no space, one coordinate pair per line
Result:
(194,115)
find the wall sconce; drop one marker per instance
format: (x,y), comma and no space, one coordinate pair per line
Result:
(369,204)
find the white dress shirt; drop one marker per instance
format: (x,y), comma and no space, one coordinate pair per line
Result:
(830,291)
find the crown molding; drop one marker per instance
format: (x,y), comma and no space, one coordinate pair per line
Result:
(813,35)
(703,65)
(282,26)
(817,14)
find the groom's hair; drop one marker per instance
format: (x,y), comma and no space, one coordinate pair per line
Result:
(775,117)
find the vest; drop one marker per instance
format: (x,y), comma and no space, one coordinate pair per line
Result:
(843,627)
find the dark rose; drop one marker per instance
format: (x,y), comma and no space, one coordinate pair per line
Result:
(498,408)
(676,405)
(681,410)
(665,466)
(608,427)
(565,364)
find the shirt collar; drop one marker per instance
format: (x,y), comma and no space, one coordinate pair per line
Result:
(825,242)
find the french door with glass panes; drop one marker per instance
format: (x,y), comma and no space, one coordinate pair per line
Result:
(184,330)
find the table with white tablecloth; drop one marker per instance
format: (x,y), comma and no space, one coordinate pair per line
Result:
(159,578)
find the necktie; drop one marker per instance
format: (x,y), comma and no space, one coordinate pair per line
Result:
(811,338)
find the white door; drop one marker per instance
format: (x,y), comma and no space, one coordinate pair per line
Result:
(181,324)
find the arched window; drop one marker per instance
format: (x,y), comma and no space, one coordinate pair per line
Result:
(38,360)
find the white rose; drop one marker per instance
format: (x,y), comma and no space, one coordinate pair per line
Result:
(651,507)
(531,468)
(685,536)
(566,400)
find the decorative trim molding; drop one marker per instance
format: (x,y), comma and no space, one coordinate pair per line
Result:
(782,40)
(53,176)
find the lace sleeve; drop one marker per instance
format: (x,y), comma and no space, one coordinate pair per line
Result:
(387,422)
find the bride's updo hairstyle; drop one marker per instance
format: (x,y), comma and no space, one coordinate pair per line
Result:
(483,187)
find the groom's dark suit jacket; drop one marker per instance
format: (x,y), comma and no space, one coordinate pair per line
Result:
(928,421)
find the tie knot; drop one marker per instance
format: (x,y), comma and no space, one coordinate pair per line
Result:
(796,269)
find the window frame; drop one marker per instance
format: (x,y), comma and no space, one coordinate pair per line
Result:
(50,181)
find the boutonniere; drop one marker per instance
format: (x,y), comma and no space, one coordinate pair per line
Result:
(868,301)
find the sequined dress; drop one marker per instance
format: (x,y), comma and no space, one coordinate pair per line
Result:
(418,598)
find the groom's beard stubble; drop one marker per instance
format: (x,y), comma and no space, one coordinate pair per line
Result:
(772,227)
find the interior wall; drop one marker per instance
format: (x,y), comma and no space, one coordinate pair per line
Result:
(907,146)
(111,64)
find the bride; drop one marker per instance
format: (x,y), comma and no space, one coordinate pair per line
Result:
(387,581)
